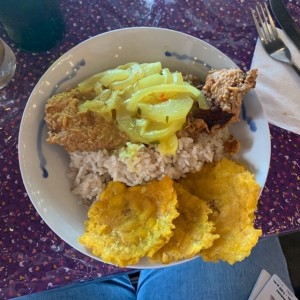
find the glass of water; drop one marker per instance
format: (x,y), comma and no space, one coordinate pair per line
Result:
(7,64)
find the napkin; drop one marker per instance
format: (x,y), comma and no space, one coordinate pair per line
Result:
(278,86)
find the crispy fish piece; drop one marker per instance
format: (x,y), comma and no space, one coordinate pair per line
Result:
(126,224)
(232,193)
(79,131)
(224,91)
(193,231)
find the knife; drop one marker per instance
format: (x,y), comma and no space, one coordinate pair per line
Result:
(286,21)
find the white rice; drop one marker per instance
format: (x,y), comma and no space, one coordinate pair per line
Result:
(135,164)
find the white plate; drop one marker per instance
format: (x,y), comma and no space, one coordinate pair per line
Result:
(51,194)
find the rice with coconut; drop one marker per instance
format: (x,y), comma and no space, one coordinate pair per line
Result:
(179,127)
(137,163)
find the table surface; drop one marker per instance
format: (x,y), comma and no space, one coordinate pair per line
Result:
(33,258)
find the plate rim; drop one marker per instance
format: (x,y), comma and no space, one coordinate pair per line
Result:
(56,63)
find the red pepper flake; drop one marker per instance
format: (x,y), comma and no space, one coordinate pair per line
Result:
(163,97)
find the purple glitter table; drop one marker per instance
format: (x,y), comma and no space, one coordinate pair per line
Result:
(32,257)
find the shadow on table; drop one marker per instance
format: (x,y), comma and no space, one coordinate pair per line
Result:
(290,244)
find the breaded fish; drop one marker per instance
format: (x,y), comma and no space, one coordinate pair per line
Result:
(79,131)
(224,91)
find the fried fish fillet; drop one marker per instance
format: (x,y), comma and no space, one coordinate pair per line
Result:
(193,231)
(224,91)
(126,224)
(79,131)
(232,193)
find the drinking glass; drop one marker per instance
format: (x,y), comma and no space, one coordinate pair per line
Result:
(34,25)
(7,64)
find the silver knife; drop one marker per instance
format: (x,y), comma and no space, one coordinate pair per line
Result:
(286,21)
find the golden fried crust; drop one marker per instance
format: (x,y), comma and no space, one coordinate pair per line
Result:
(79,131)
(232,193)
(224,91)
(227,87)
(193,231)
(126,224)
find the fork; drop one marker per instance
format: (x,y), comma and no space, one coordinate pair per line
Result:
(269,38)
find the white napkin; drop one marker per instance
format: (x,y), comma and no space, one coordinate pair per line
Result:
(278,87)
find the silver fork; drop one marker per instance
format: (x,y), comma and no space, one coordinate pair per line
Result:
(269,38)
